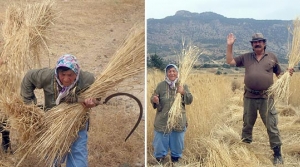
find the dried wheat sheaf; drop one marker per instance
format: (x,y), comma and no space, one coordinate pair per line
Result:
(187,59)
(280,89)
(24,31)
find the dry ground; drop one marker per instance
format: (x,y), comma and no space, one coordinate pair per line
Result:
(92,30)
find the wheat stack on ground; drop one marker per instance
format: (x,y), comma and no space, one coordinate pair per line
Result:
(63,122)
(187,59)
(280,89)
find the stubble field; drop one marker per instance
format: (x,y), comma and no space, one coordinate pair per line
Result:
(215,123)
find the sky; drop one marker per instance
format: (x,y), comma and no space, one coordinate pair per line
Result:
(259,9)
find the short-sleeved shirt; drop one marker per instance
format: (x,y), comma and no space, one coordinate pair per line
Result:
(258,74)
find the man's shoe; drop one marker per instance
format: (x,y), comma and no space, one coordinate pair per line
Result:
(277,155)
(246,140)
(277,160)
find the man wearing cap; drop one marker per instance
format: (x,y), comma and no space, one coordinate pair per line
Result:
(259,68)
(62,84)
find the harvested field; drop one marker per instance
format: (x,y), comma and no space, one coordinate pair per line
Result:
(213,136)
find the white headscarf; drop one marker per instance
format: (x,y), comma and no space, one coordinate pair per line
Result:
(70,62)
(171,83)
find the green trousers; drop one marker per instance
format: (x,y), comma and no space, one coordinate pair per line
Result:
(268,115)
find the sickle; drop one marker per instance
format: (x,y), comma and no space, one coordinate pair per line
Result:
(139,103)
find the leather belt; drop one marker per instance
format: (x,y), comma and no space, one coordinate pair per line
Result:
(256,92)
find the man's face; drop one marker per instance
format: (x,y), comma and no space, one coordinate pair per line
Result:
(172,74)
(66,78)
(258,45)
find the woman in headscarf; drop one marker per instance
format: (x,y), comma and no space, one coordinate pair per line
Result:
(62,84)
(162,100)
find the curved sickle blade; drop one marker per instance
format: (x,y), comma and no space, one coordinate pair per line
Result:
(139,103)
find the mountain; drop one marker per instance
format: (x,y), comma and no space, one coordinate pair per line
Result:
(209,30)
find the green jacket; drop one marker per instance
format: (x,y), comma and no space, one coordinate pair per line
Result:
(166,99)
(45,79)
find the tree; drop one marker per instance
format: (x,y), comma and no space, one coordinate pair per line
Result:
(156,61)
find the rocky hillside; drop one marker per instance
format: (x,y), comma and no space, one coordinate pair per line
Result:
(209,30)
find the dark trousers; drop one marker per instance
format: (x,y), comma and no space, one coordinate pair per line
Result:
(5,136)
(268,115)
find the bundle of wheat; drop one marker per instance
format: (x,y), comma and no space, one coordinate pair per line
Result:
(24,32)
(187,59)
(63,122)
(56,133)
(280,89)
(26,119)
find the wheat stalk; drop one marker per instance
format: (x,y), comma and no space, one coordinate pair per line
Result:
(280,89)
(187,58)
(24,31)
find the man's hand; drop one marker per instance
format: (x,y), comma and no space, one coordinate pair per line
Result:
(230,39)
(291,71)
(229,50)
